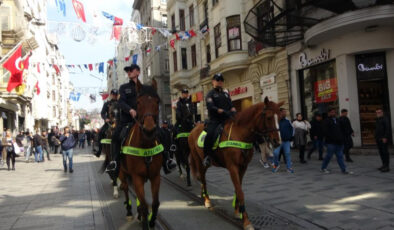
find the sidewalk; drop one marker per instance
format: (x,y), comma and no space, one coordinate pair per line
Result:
(42,196)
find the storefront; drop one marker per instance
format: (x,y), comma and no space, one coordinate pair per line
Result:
(242,96)
(350,72)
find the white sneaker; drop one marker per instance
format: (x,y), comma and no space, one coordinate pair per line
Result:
(326,171)
(264,164)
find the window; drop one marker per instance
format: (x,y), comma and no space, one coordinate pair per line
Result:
(208,51)
(191,15)
(164,20)
(166,87)
(173,22)
(234,33)
(182,20)
(184,58)
(218,39)
(166,65)
(5,18)
(163,1)
(194,58)
(54,112)
(175,61)
(215,2)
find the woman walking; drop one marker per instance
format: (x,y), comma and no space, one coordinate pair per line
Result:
(301,128)
(10,150)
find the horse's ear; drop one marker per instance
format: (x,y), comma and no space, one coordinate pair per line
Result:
(154,84)
(139,85)
(280,104)
(266,100)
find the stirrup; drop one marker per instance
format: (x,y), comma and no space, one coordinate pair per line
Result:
(173,148)
(111,169)
(207,161)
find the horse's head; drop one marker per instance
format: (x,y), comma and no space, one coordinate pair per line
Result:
(148,108)
(268,127)
(113,114)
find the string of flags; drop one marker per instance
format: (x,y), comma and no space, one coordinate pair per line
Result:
(59,68)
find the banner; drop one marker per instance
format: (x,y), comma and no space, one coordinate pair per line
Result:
(326,90)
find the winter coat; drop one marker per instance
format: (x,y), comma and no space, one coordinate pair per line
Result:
(347,131)
(300,131)
(67,142)
(382,128)
(316,129)
(286,129)
(332,131)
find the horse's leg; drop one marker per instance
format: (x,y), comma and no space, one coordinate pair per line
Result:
(187,153)
(125,188)
(115,186)
(178,155)
(235,177)
(204,192)
(155,187)
(242,171)
(142,206)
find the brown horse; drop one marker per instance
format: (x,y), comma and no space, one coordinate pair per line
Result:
(257,120)
(140,169)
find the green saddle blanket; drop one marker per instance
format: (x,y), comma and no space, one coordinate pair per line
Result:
(223,144)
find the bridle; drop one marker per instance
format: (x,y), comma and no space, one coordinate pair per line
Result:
(265,134)
(139,120)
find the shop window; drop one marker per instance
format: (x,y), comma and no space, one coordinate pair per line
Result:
(319,89)
(218,39)
(194,57)
(182,20)
(191,15)
(234,33)
(184,58)
(208,52)
(175,61)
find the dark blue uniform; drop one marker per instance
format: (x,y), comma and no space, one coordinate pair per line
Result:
(184,115)
(104,128)
(216,99)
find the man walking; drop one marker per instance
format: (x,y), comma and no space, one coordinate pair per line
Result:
(286,133)
(316,134)
(68,143)
(37,143)
(382,135)
(348,133)
(334,139)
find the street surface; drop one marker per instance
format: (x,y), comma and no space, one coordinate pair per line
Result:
(42,196)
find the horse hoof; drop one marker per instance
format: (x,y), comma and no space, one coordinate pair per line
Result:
(208,204)
(129,218)
(237,216)
(249,227)
(116,196)
(182,176)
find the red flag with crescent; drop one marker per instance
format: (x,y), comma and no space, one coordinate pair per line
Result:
(78,7)
(15,65)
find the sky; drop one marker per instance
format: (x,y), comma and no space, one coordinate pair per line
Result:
(86,52)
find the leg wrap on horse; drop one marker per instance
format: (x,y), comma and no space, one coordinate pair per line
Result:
(242,208)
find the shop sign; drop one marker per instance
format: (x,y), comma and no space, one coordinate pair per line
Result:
(268,87)
(197,97)
(305,61)
(326,90)
(238,91)
(363,68)
(267,80)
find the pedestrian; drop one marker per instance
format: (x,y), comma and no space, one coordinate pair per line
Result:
(165,137)
(334,139)
(286,133)
(37,144)
(10,150)
(301,128)
(68,143)
(50,139)
(28,147)
(82,138)
(266,153)
(45,146)
(382,136)
(348,134)
(56,142)
(316,134)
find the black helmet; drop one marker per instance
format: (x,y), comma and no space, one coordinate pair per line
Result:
(131,68)
(114,91)
(165,122)
(185,91)
(218,77)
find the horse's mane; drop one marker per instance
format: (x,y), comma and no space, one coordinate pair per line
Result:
(245,116)
(149,91)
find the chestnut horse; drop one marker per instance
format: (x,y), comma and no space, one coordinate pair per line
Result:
(257,120)
(113,115)
(141,159)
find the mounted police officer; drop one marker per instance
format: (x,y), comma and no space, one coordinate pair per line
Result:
(220,108)
(128,106)
(184,117)
(106,118)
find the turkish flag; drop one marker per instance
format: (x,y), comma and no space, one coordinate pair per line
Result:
(56,69)
(118,21)
(116,32)
(192,33)
(15,65)
(38,67)
(37,88)
(172,43)
(90,67)
(78,7)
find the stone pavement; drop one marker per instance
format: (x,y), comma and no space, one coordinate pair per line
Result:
(364,200)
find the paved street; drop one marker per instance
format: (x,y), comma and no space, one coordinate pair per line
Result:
(42,196)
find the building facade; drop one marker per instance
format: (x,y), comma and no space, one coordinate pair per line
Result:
(251,72)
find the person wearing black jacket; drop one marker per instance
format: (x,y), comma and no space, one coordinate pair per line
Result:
(68,143)
(105,117)
(165,137)
(348,132)
(334,139)
(37,144)
(382,136)
(316,134)
(220,108)
(183,117)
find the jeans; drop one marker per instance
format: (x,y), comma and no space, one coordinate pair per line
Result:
(28,152)
(338,151)
(384,153)
(286,149)
(69,154)
(317,144)
(38,154)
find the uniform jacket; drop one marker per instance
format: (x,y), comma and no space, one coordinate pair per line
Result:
(218,99)
(127,101)
(180,116)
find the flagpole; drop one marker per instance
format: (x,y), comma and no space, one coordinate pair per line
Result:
(5,57)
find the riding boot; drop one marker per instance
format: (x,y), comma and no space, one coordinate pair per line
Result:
(207,159)
(98,153)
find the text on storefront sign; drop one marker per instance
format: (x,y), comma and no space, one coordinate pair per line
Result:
(305,62)
(363,68)
(238,90)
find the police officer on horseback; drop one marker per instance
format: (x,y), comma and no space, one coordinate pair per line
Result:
(183,116)
(220,108)
(128,106)
(105,116)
